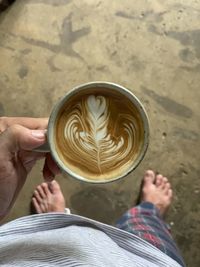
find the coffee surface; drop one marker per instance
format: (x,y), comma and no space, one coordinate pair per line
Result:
(99,134)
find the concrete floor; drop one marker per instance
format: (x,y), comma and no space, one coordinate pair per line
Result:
(151,47)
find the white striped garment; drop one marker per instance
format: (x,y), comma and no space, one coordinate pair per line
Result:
(58,239)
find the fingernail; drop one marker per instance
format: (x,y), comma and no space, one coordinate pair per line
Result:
(40,134)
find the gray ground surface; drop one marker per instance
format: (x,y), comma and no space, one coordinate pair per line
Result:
(151,47)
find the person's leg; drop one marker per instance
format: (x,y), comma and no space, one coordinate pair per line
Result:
(145,220)
(48,197)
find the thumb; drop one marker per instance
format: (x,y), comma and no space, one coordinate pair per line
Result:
(18,137)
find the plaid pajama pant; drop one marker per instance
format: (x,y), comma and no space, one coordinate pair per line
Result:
(144,221)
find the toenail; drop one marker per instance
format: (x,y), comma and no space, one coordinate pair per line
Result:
(149,172)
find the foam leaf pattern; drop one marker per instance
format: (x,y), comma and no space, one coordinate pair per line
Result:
(91,138)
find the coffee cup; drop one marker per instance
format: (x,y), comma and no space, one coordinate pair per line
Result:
(98,132)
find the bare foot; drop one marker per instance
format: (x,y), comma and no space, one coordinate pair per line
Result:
(157,190)
(48,197)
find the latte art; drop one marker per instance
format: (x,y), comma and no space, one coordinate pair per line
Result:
(98,137)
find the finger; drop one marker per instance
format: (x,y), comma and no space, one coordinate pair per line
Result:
(31,123)
(17,137)
(36,205)
(50,168)
(27,156)
(47,174)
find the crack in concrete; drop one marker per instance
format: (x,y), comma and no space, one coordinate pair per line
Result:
(67,38)
(168,104)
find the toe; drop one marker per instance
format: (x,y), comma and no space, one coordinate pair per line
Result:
(37,196)
(45,188)
(170,193)
(36,205)
(165,180)
(54,187)
(41,191)
(149,177)
(166,187)
(164,183)
(159,180)
(147,184)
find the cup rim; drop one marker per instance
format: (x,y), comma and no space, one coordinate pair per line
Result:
(106,85)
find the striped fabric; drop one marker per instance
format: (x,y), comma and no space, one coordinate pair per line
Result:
(144,221)
(58,239)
